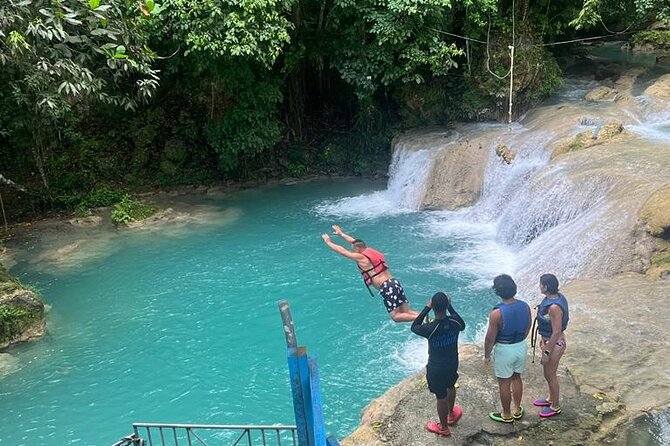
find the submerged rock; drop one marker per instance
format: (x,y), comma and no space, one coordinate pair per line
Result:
(600,135)
(602,93)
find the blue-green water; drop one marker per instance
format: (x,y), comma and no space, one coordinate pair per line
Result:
(185,328)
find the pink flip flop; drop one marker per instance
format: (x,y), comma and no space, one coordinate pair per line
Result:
(434,427)
(458,413)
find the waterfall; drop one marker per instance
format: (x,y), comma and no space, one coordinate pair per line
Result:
(549,199)
(406,184)
(572,218)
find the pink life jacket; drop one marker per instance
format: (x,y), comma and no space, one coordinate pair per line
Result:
(378,265)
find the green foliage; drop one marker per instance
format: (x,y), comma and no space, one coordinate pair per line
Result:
(12,320)
(248,123)
(382,43)
(251,30)
(100,197)
(431,103)
(657,39)
(588,16)
(59,51)
(130,209)
(595,12)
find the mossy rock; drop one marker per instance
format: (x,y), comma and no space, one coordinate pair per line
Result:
(608,133)
(651,40)
(660,264)
(21,311)
(602,94)
(655,215)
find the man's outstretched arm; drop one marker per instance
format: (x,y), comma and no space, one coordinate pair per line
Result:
(338,231)
(340,250)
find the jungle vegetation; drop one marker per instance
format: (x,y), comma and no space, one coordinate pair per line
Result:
(99,98)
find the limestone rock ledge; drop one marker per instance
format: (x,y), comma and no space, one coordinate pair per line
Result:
(614,371)
(21,312)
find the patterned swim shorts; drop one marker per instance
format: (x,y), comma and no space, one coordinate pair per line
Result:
(393,294)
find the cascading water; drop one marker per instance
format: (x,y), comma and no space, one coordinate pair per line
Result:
(548,200)
(405,188)
(532,216)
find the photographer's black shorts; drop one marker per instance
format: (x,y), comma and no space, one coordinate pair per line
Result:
(439,380)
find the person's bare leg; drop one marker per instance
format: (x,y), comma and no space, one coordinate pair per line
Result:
(505,396)
(551,375)
(451,398)
(517,392)
(443,411)
(403,314)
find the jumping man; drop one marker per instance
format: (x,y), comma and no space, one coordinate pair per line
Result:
(375,272)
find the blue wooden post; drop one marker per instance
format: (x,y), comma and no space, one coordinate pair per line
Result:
(305,388)
(318,424)
(295,357)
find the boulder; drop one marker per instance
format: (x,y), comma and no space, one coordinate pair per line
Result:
(612,132)
(655,213)
(456,176)
(602,93)
(505,153)
(660,88)
(21,314)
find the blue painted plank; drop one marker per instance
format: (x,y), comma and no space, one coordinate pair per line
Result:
(318,424)
(303,369)
(298,395)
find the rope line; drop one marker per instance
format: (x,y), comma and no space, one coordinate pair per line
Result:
(563,42)
(511,70)
(488,55)
(580,40)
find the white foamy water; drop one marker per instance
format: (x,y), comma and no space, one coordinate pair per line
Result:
(406,187)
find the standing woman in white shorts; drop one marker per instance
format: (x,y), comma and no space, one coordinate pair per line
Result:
(509,325)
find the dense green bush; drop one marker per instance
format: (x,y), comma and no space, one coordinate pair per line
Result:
(100,197)
(658,39)
(130,209)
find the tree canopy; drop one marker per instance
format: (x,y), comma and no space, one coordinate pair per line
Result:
(128,93)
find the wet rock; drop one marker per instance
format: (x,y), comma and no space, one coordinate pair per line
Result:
(8,364)
(612,132)
(456,176)
(618,341)
(505,153)
(602,93)
(660,88)
(655,213)
(89,221)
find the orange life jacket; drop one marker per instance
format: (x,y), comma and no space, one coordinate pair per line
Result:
(378,265)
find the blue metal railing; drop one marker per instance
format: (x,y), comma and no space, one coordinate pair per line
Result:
(163,434)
